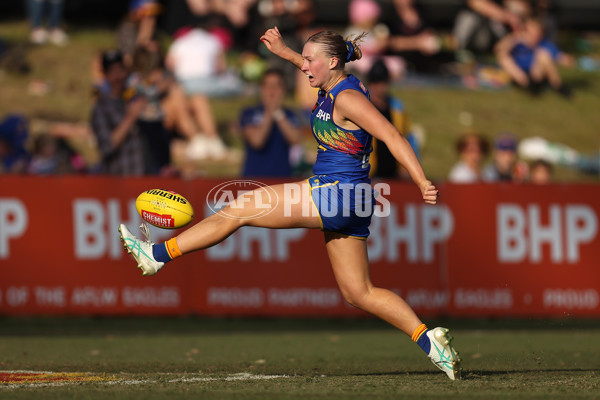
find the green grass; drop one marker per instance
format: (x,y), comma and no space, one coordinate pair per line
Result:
(322,359)
(574,123)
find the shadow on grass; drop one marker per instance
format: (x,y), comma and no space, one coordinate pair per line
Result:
(82,326)
(470,375)
(474,375)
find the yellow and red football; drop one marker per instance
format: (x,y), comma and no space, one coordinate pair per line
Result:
(164,208)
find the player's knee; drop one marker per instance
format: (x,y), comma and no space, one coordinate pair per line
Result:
(234,216)
(543,55)
(356,296)
(241,209)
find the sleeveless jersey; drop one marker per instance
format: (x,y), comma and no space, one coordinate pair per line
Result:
(340,150)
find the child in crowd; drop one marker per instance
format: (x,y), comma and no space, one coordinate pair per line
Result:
(541,172)
(472,149)
(531,59)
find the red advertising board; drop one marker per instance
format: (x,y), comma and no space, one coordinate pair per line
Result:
(484,250)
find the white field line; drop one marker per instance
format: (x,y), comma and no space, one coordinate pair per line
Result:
(243,376)
(31,385)
(192,380)
(126,382)
(24,371)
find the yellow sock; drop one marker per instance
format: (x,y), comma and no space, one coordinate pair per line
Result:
(418,332)
(173,248)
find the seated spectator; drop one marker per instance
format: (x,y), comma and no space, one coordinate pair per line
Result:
(269,130)
(472,150)
(482,23)
(418,44)
(138,28)
(53,155)
(236,11)
(505,167)
(168,112)
(44,160)
(531,60)
(37,10)
(197,60)
(114,122)
(383,163)
(541,172)
(149,81)
(13,136)
(364,22)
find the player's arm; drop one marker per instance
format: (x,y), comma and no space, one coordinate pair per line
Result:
(350,105)
(274,42)
(111,132)
(134,108)
(495,12)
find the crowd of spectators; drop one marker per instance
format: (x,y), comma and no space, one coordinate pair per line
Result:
(148,94)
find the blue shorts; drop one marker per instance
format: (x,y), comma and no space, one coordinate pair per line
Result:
(344,206)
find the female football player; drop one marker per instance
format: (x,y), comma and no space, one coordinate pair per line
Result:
(343,122)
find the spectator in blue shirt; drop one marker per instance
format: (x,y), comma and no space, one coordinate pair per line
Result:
(531,59)
(13,136)
(269,130)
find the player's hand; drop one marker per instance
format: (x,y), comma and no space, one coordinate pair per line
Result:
(429,192)
(274,42)
(428,43)
(514,21)
(136,106)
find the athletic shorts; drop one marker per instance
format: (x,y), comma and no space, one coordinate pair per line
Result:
(344,206)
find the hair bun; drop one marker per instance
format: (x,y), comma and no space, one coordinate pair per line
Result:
(350,48)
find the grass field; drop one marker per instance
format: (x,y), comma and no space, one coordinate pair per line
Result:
(172,358)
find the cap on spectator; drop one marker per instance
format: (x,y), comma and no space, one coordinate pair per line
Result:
(363,10)
(111,57)
(505,141)
(378,72)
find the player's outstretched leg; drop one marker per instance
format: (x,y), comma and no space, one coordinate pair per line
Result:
(299,212)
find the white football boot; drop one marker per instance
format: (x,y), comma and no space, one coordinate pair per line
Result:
(442,354)
(140,250)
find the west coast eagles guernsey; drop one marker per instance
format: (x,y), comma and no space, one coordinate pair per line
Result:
(341,151)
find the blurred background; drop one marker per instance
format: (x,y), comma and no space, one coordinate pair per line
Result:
(101,100)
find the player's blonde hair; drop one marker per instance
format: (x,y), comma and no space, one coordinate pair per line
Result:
(334,45)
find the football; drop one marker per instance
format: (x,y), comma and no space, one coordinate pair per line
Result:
(164,208)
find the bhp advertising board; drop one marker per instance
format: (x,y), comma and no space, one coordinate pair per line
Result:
(484,250)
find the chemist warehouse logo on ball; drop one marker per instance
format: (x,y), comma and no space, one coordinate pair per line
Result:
(230,197)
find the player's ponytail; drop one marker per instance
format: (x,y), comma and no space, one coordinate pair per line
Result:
(353,45)
(334,45)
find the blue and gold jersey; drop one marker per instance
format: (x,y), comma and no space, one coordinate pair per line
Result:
(341,150)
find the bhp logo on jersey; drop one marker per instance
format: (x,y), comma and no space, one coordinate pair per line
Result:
(238,194)
(323,115)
